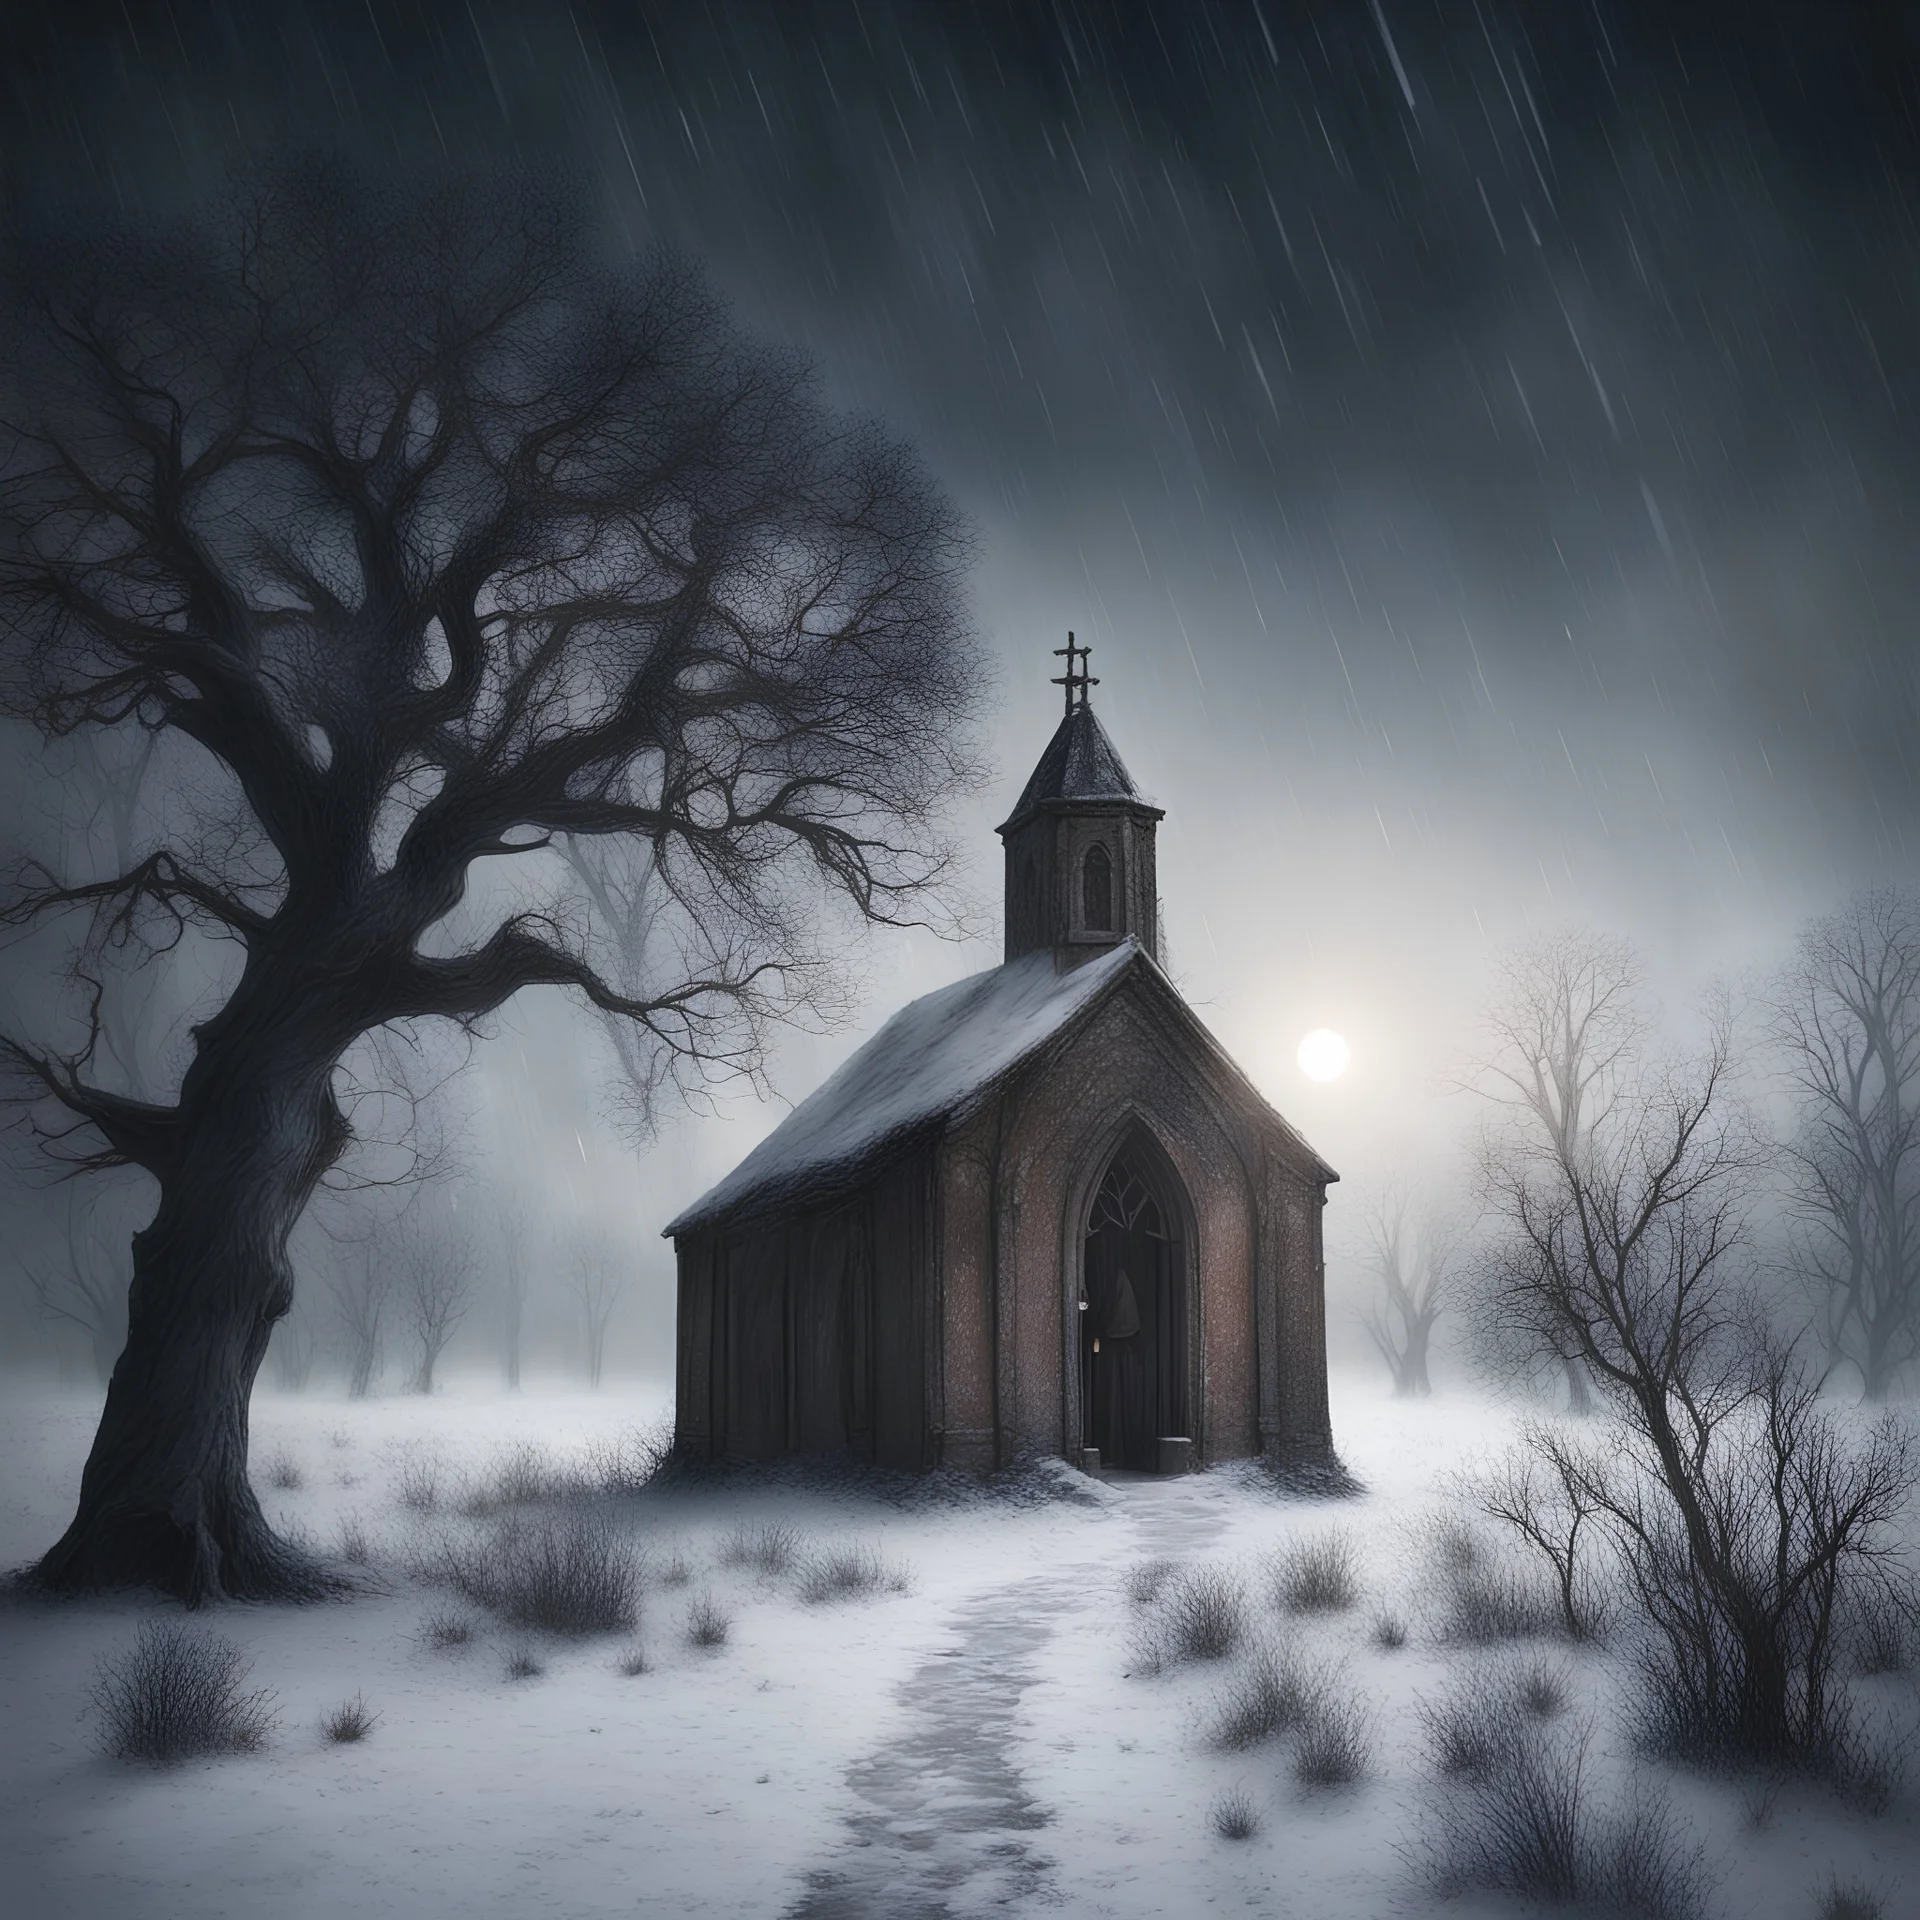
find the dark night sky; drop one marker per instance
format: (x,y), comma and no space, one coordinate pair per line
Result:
(1478,438)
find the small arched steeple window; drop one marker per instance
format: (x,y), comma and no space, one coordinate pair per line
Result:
(1096,873)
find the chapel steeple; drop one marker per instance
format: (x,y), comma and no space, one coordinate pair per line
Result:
(1080,840)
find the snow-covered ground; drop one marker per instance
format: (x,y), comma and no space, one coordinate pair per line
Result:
(983,1741)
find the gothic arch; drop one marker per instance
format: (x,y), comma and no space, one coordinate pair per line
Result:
(1096,889)
(1133,1144)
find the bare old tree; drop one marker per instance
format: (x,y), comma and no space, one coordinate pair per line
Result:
(360,1284)
(1565,1033)
(598,1280)
(1847,1015)
(1746,1522)
(82,1283)
(438,540)
(513,1231)
(1414,1269)
(436,1291)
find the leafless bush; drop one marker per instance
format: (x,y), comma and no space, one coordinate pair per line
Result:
(339,1437)
(283,1473)
(627,1463)
(520,1475)
(1234,1816)
(1520,1819)
(1318,1576)
(444,1629)
(574,1574)
(1884,1631)
(1470,1730)
(523,1663)
(417,1484)
(633,1663)
(350,1722)
(1483,1597)
(1270,1695)
(354,1546)
(707,1626)
(1542,1690)
(674,1571)
(177,1692)
(1851,1900)
(1389,1631)
(1201,1614)
(847,1573)
(1144,1582)
(1336,1740)
(771,1548)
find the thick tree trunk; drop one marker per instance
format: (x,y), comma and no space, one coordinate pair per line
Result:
(165,1500)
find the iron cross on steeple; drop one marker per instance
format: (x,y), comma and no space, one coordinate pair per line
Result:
(1070,679)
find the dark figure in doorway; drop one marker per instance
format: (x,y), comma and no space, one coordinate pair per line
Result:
(1133,1340)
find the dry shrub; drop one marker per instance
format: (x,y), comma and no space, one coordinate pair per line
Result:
(1270,1695)
(1850,1900)
(1146,1581)
(1318,1576)
(354,1546)
(629,1462)
(283,1473)
(771,1548)
(1234,1816)
(847,1573)
(1484,1597)
(573,1574)
(1201,1614)
(178,1692)
(1519,1817)
(1336,1740)
(707,1626)
(1543,1689)
(676,1572)
(1389,1631)
(520,1475)
(444,1630)
(417,1484)
(633,1663)
(350,1722)
(523,1663)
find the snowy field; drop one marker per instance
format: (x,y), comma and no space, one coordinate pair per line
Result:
(984,1741)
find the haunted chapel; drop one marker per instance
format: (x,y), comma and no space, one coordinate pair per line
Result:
(1040,1212)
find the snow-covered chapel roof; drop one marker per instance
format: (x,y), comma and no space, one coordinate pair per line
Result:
(932,1061)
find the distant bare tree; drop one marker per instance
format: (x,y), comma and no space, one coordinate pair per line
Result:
(513,1228)
(360,1284)
(1566,1032)
(293,1352)
(1414,1267)
(443,540)
(82,1283)
(598,1278)
(436,1291)
(1847,1013)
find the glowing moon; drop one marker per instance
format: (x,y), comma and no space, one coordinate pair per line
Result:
(1324,1055)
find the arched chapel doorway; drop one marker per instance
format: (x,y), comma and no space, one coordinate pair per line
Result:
(1133,1319)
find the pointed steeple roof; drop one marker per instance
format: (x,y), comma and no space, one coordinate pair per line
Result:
(1080,763)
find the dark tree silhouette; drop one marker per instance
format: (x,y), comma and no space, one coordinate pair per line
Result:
(436,1293)
(1414,1268)
(1847,1015)
(441,541)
